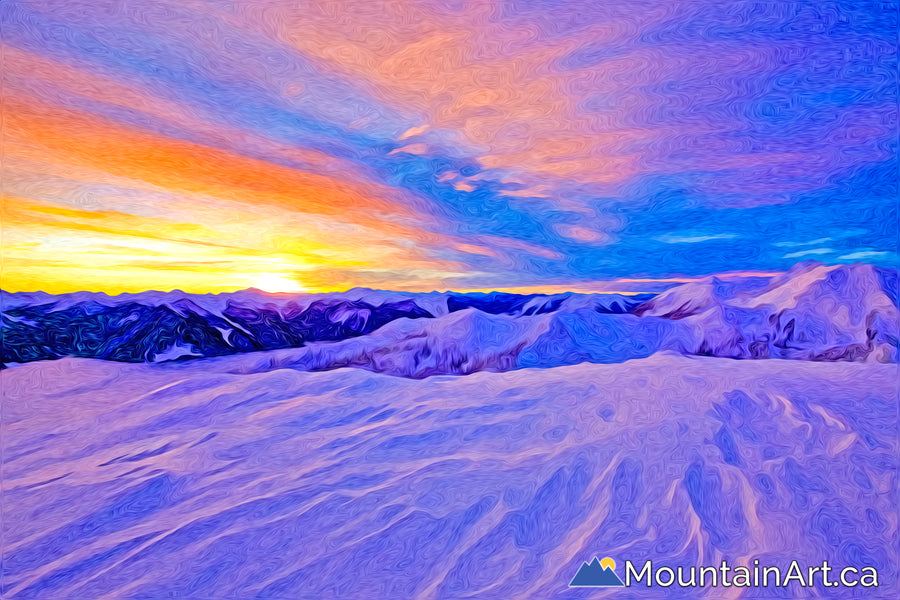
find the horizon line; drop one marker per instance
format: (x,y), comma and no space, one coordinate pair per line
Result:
(594,287)
(549,289)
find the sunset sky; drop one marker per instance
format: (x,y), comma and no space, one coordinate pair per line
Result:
(212,146)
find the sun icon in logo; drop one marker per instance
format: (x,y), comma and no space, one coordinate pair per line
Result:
(597,573)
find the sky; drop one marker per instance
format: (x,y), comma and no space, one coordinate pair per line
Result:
(442,144)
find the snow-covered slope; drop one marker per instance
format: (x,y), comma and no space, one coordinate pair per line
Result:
(813,312)
(185,480)
(156,326)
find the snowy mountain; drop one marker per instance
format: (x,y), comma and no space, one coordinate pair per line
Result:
(157,326)
(145,330)
(813,312)
(470,341)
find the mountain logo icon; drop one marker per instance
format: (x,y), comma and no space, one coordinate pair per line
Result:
(597,573)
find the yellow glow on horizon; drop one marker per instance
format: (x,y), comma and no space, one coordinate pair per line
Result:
(608,562)
(278,283)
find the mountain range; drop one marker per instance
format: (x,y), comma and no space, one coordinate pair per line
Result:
(812,312)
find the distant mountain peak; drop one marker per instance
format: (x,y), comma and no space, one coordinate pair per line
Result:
(813,312)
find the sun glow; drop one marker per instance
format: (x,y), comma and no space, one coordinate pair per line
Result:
(277,283)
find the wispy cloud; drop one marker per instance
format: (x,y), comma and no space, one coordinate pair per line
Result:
(561,142)
(866,255)
(810,252)
(694,239)
(800,244)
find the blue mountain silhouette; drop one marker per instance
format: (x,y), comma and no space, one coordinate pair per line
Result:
(594,575)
